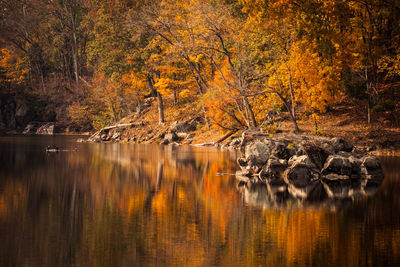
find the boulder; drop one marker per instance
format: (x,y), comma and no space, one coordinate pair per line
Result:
(42,128)
(31,127)
(182,135)
(307,168)
(234,143)
(300,175)
(242,163)
(46,129)
(338,165)
(282,151)
(371,171)
(164,142)
(258,153)
(317,154)
(116,135)
(171,137)
(340,144)
(184,127)
(273,171)
(304,159)
(104,137)
(371,163)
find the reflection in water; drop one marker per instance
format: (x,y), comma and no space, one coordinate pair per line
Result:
(268,195)
(134,205)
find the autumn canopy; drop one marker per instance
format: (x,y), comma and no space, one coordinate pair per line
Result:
(235,60)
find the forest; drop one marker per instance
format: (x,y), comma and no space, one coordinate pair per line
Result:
(92,63)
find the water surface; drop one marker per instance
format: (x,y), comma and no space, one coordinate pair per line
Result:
(150,205)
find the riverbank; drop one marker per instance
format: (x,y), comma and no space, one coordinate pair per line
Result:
(344,120)
(186,125)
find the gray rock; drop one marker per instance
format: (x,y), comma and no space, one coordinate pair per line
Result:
(308,168)
(344,154)
(105,137)
(182,135)
(183,127)
(273,171)
(371,171)
(242,163)
(31,127)
(340,144)
(116,136)
(338,165)
(317,154)
(301,159)
(281,150)
(358,151)
(164,142)
(46,129)
(371,163)
(171,137)
(300,175)
(257,154)
(234,143)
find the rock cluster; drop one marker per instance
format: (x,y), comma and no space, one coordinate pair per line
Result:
(306,168)
(41,128)
(180,132)
(112,133)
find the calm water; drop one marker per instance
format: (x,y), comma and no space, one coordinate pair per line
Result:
(139,205)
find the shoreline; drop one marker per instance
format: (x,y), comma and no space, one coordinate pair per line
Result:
(201,136)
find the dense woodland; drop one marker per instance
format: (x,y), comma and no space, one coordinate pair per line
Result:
(94,62)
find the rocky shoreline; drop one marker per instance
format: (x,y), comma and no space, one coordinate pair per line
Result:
(305,169)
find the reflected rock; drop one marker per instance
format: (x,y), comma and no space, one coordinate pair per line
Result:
(318,193)
(264,195)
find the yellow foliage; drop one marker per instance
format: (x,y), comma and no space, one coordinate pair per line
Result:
(184,93)
(163,85)
(135,82)
(390,65)
(314,79)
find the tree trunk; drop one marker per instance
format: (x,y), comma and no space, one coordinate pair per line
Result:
(74,46)
(294,121)
(205,117)
(154,92)
(369,113)
(291,111)
(250,111)
(175,97)
(160,109)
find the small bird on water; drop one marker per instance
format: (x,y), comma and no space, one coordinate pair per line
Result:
(52,148)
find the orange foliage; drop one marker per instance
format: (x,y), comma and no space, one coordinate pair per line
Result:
(13,67)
